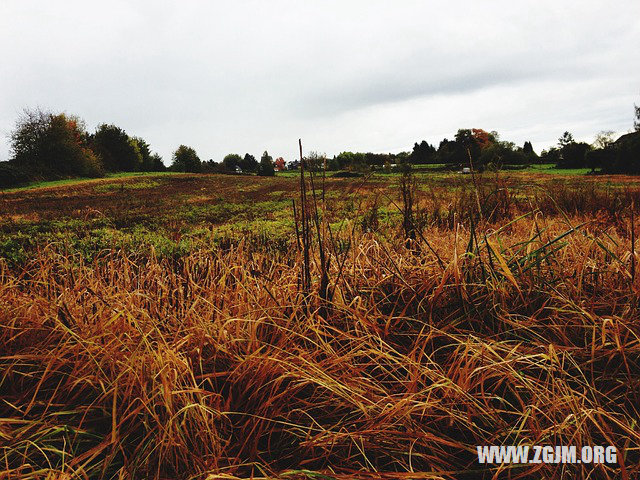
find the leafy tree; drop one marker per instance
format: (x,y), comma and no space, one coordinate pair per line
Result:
(118,151)
(405,157)
(136,156)
(211,166)
(599,158)
(375,159)
(636,122)
(28,139)
(249,163)
(623,155)
(628,150)
(358,161)
(464,137)
(550,156)
(266,166)
(332,163)
(461,149)
(185,159)
(457,152)
(573,155)
(11,175)
(280,164)
(449,152)
(49,145)
(350,161)
(483,138)
(501,153)
(68,153)
(230,162)
(294,164)
(483,148)
(315,161)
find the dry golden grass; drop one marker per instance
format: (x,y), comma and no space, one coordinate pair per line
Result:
(216,365)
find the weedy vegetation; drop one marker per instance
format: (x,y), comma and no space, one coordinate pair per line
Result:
(303,327)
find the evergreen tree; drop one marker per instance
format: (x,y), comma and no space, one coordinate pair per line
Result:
(266,168)
(146,165)
(249,163)
(565,139)
(423,153)
(527,148)
(157,163)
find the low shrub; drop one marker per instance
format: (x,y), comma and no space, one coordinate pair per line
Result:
(12,175)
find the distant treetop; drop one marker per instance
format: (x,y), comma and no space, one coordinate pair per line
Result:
(185,159)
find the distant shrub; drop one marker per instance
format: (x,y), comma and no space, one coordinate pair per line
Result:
(12,175)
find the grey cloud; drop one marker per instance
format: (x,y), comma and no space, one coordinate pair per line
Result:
(249,75)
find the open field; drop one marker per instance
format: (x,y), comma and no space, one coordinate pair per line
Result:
(191,326)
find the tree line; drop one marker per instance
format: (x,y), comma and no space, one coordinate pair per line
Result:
(232,163)
(476,146)
(480,149)
(605,154)
(47,145)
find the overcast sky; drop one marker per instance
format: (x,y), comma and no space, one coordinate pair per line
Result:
(375,75)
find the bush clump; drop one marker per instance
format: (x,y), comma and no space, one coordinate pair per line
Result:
(12,175)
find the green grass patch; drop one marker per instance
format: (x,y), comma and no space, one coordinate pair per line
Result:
(550,168)
(83,180)
(114,187)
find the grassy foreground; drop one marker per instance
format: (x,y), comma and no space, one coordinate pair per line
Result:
(179,327)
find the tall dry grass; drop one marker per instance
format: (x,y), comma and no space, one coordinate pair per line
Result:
(214,366)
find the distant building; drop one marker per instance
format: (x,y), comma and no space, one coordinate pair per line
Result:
(466,170)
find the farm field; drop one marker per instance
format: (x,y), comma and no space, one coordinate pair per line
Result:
(223,326)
